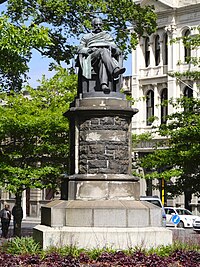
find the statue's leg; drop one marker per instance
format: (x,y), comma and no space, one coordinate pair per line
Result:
(111,64)
(108,60)
(103,77)
(100,68)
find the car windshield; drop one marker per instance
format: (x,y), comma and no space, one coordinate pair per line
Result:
(155,202)
(184,212)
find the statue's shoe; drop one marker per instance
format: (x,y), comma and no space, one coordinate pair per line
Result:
(118,71)
(105,89)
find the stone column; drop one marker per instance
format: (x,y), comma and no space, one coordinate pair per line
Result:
(101,150)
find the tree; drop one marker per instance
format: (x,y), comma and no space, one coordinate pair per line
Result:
(64,22)
(181,155)
(16,43)
(34,136)
(180,158)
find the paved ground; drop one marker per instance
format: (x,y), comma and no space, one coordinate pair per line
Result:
(27,227)
(188,236)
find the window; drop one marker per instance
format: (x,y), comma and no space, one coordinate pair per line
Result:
(184,212)
(187,49)
(149,106)
(164,106)
(157,50)
(165,49)
(188,92)
(48,194)
(169,211)
(147,52)
(155,202)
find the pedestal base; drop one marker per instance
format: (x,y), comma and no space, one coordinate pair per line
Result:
(120,224)
(98,237)
(101,213)
(91,187)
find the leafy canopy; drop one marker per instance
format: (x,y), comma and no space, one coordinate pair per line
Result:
(16,43)
(181,157)
(52,27)
(34,134)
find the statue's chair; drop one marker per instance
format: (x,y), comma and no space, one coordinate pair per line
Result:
(88,87)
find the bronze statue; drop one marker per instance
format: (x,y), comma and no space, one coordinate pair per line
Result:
(98,51)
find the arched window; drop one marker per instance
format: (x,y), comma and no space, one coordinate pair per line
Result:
(147,52)
(149,106)
(164,106)
(188,92)
(157,50)
(187,49)
(165,49)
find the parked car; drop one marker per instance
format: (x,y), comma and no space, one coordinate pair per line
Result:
(186,217)
(196,225)
(156,201)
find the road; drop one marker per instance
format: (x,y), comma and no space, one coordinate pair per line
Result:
(185,235)
(27,226)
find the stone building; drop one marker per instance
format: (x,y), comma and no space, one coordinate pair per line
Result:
(32,200)
(150,83)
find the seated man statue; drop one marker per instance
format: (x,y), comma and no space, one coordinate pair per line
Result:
(99,52)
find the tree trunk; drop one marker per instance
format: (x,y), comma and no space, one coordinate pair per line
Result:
(18,215)
(188,197)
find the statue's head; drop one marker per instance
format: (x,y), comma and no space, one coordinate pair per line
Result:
(97,25)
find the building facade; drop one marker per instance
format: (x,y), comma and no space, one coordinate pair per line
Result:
(150,83)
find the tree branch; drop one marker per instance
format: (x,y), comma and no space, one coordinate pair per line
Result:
(2,1)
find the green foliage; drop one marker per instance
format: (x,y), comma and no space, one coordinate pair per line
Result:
(94,254)
(27,251)
(71,18)
(191,75)
(166,251)
(66,250)
(16,43)
(52,28)
(21,246)
(181,156)
(27,245)
(34,134)
(76,252)
(138,138)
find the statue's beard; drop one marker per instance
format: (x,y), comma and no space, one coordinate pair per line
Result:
(97,30)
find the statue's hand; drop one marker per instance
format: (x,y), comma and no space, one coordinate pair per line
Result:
(116,51)
(88,51)
(91,50)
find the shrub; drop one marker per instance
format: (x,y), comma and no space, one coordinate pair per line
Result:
(25,252)
(20,246)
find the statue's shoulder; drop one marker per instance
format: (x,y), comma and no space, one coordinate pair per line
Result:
(87,36)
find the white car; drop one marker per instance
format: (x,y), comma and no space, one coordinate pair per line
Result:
(186,217)
(196,225)
(156,201)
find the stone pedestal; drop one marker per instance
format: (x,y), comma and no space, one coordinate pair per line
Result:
(98,237)
(101,150)
(120,224)
(102,206)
